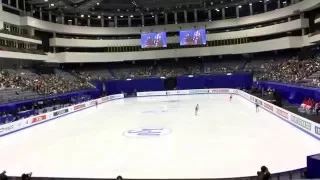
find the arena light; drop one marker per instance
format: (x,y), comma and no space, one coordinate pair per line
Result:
(131,16)
(240,6)
(98,3)
(121,16)
(109,17)
(82,15)
(250,4)
(162,77)
(45,0)
(99,17)
(52,4)
(129,79)
(284,2)
(190,76)
(229,74)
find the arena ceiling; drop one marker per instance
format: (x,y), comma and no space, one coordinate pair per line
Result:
(114,7)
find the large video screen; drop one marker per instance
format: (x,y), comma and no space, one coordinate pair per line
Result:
(193,37)
(154,40)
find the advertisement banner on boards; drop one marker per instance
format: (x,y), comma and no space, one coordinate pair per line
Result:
(79,106)
(172,93)
(93,103)
(268,106)
(183,92)
(13,126)
(219,91)
(117,96)
(60,112)
(282,113)
(105,99)
(317,130)
(198,91)
(152,93)
(6,128)
(300,122)
(39,118)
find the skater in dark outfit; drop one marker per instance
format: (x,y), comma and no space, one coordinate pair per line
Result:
(196,110)
(257,107)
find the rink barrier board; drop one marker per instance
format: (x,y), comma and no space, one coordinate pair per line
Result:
(22,124)
(309,127)
(297,121)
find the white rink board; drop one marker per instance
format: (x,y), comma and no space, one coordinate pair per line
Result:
(225,140)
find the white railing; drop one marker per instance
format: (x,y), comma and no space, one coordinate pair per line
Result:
(299,122)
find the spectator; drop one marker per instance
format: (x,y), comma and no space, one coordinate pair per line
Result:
(3,176)
(264,174)
(26,176)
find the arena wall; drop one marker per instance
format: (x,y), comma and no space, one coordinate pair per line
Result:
(70,29)
(268,30)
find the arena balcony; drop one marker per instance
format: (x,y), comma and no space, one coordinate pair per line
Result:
(216,21)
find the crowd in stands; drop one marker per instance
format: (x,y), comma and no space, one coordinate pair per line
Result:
(43,84)
(293,71)
(53,84)
(20,85)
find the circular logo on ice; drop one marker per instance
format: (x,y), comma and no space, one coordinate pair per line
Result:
(147,132)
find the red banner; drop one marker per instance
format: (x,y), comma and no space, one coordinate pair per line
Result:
(282,113)
(39,118)
(79,106)
(268,106)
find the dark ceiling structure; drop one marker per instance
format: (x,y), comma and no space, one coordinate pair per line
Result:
(129,7)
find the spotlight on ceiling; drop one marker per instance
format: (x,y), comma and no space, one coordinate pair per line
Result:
(98,3)
(82,15)
(99,17)
(121,16)
(131,16)
(88,15)
(52,4)
(109,17)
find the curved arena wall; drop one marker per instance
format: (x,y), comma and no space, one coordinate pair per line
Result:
(263,31)
(70,29)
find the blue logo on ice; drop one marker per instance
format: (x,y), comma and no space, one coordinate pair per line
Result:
(147,132)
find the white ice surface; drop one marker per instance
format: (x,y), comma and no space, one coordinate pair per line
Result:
(226,139)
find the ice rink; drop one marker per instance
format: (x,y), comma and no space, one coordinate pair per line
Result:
(226,139)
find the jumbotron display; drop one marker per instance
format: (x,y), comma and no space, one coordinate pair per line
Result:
(193,37)
(154,40)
